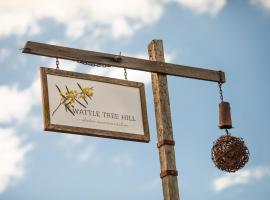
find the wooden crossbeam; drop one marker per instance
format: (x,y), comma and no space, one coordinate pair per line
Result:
(123,61)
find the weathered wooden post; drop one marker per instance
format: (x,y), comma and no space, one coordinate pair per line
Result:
(164,125)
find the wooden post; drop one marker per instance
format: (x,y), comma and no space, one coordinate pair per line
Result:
(164,125)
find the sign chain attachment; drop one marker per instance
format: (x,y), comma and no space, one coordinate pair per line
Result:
(57,63)
(125,69)
(125,73)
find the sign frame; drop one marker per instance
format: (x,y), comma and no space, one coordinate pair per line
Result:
(48,126)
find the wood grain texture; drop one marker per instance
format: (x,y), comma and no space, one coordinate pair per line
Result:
(225,120)
(48,126)
(122,61)
(163,123)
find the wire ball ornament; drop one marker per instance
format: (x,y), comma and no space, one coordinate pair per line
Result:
(229,153)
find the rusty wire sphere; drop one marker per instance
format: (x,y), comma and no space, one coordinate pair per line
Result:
(230,153)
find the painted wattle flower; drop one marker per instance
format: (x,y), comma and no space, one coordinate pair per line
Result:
(70,97)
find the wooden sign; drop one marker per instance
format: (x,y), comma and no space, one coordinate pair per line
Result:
(93,105)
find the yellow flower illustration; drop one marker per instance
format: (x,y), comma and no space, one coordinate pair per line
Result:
(70,97)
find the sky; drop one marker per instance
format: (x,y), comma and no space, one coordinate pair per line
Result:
(232,36)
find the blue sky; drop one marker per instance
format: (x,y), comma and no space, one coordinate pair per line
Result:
(232,36)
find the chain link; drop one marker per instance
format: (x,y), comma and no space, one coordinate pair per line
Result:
(125,73)
(57,63)
(220,91)
(125,70)
(220,86)
(93,64)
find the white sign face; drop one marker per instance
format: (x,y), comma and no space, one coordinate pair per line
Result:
(93,105)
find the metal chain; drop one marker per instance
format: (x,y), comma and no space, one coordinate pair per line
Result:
(85,63)
(125,70)
(221,96)
(57,63)
(220,91)
(93,64)
(101,65)
(220,87)
(227,132)
(125,73)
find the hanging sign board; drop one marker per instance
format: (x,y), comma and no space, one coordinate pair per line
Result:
(93,105)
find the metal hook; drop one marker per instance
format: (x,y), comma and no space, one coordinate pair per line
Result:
(117,58)
(125,70)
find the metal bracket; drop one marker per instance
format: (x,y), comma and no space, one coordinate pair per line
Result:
(165,142)
(168,172)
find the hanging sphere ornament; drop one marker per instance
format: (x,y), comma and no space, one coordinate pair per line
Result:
(229,153)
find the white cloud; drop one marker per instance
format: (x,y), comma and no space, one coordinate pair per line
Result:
(70,140)
(12,157)
(77,149)
(211,7)
(4,53)
(87,154)
(123,160)
(63,64)
(265,4)
(132,75)
(16,103)
(241,177)
(33,121)
(115,19)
